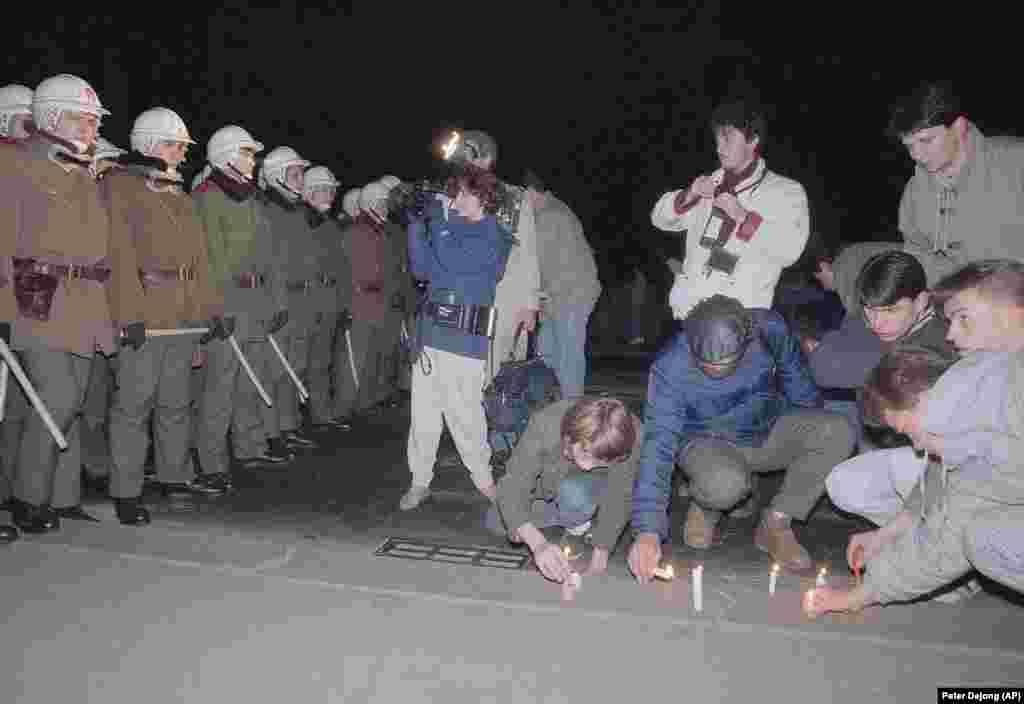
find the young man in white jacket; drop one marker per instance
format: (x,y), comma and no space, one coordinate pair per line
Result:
(742,223)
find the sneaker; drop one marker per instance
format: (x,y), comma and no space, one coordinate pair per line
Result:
(776,537)
(699,531)
(962,593)
(413,497)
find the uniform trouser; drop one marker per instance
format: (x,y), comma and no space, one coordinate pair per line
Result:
(61,380)
(321,351)
(16,410)
(368,347)
(875,485)
(806,443)
(295,345)
(229,399)
(151,380)
(563,344)
(94,430)
(995,545)
(452,394)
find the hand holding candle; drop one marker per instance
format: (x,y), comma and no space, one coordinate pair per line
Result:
(821,581)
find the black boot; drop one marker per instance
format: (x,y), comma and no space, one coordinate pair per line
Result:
(75,513)
(131,512)
(33,519)
(8,534)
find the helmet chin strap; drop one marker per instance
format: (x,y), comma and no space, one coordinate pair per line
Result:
(67,150)
(287,191)
(237,174)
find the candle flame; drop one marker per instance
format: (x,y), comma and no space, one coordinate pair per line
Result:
(775,568)
(449,148)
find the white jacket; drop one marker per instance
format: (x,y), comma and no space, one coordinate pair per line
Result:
(772,238)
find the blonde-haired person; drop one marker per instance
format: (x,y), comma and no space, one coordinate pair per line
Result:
(574,467)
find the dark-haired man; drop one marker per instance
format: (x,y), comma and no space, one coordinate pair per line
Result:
(963,202)
(731,395)
(743,223)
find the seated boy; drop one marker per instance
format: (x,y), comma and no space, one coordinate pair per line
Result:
(577,459)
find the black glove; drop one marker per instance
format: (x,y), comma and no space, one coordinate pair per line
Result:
(277,322)
(5,332)
(344,320)
(227,327)
(134,335)
(219,329)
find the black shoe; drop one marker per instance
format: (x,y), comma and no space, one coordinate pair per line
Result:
(293,438)
(8,534)
(75,513)
(131,512)
(192,487)
(33,519)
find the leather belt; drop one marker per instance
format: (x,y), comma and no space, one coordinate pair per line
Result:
(167,276)
(250,279)
(65,271)
(326,281)
(476,320)
(299,286)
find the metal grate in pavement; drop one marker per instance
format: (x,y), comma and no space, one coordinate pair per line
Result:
(458,554)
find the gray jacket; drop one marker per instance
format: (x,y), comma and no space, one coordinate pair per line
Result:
(568,272)
(977,407)
(977,216)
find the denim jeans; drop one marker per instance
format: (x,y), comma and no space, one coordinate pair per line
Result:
(562,342)
(575,504)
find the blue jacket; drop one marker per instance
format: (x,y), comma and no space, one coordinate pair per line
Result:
(461,262)
(683,403)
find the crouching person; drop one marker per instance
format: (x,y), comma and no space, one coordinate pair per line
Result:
(968,419)
(574,467)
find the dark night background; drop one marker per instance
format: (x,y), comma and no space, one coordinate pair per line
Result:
(608,104)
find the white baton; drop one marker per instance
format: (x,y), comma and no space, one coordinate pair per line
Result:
(3,388)
(351,358)
(248,370)
(30,391)
(303,394)
(171,332)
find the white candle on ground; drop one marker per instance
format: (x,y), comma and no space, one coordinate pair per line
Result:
(575,580)
(820,581)
(698,588)
(773,578)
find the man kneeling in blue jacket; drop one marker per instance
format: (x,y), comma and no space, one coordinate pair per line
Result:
(731,395)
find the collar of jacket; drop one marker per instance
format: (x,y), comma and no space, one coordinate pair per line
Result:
(749,183)
(235,190)
(377,225)
(272,195)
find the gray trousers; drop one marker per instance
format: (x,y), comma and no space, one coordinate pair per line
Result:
(321,352)
(995,545)
(94,430)
(807,444)
(151,380)
(229,399)
(61,380)
(295,345)
(369,351)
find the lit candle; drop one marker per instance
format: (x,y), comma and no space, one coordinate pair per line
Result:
(773,578)
(666,573)
(575,580)
(820,581)
(567,551)
(698,588)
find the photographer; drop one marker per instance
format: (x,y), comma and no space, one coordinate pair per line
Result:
(462,255)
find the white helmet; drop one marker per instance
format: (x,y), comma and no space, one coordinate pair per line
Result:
(390,181)
(318,177)
(158,125)
(14,100)
(374,198)
(61,93)
(350,202)
(225,144)
(275,168)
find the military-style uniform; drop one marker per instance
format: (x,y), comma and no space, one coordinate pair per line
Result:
(359,351)
(331,295)
(401,296)
(244,264)
(170,259)
(67,284)
(297,263)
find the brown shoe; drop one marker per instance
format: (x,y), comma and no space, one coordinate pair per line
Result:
(776,537)
(699,532)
